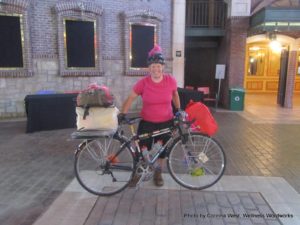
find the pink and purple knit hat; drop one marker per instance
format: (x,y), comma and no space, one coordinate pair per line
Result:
(155,55)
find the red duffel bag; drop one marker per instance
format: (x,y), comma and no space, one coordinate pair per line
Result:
(204,121)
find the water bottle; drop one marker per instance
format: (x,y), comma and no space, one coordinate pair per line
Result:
(146,154)
(156,148)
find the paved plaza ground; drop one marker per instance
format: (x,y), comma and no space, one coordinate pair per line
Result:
(262,178)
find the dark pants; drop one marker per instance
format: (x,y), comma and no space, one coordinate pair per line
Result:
(147,127)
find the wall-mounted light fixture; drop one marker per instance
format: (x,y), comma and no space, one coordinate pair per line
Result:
(274,44)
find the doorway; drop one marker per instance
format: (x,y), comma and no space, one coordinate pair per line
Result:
(265,74)
(200,63)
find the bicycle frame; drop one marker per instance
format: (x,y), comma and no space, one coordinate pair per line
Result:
(135,149)
(137,152)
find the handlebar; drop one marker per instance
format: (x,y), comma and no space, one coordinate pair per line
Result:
(128,121)
(185,122)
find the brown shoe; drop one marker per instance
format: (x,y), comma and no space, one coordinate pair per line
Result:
(157,178)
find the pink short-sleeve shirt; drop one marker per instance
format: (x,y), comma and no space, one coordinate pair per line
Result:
(157,98)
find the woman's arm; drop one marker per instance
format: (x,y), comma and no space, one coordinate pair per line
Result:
(176,100)
(128,102)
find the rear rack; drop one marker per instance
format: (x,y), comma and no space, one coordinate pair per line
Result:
(92,134)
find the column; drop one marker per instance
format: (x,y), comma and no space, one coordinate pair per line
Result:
(178,40)
(291,73)
(233,46)
(237,50)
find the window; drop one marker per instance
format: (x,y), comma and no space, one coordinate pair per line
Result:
(257,61)
(79,38)
(15,48)
(142,31)
(11,42)
(142,40)
(263,61)
(80,44)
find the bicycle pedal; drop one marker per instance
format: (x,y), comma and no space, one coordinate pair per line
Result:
(139,184)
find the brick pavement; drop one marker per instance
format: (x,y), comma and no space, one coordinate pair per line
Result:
(181,207)
(138,207)
(35,168)
(260,149)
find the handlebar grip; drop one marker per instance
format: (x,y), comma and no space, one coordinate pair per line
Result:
(123,119)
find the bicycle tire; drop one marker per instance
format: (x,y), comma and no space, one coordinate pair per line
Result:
(197,164)
(96,167)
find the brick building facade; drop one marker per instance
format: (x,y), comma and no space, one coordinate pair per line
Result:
(44,51)
(43,44)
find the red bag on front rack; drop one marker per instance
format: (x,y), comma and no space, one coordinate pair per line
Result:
(204,121)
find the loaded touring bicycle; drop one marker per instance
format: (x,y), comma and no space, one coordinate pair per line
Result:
(106,160)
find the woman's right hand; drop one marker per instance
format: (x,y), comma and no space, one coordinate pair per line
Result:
(122,117)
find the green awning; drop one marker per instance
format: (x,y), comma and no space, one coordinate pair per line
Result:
(276,19)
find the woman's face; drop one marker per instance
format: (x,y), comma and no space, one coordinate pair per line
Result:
(156,70)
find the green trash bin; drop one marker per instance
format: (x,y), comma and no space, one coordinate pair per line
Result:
(237,96)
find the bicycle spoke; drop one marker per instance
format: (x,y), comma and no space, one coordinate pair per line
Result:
(206,168)
(93,154)
(105,173)
(197,164)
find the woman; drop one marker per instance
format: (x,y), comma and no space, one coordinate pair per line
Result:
(157,90)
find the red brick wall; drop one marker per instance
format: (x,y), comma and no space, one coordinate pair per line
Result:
(41,48)
(232,53)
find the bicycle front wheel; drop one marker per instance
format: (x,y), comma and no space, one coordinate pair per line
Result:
(198,163)
(102,167)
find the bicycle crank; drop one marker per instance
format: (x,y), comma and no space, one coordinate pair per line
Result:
(145,171)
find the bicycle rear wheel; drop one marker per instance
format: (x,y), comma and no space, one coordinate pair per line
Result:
(197,164)
(102,167)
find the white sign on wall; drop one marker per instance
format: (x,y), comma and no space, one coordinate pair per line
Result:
(239,7)
(220,71)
